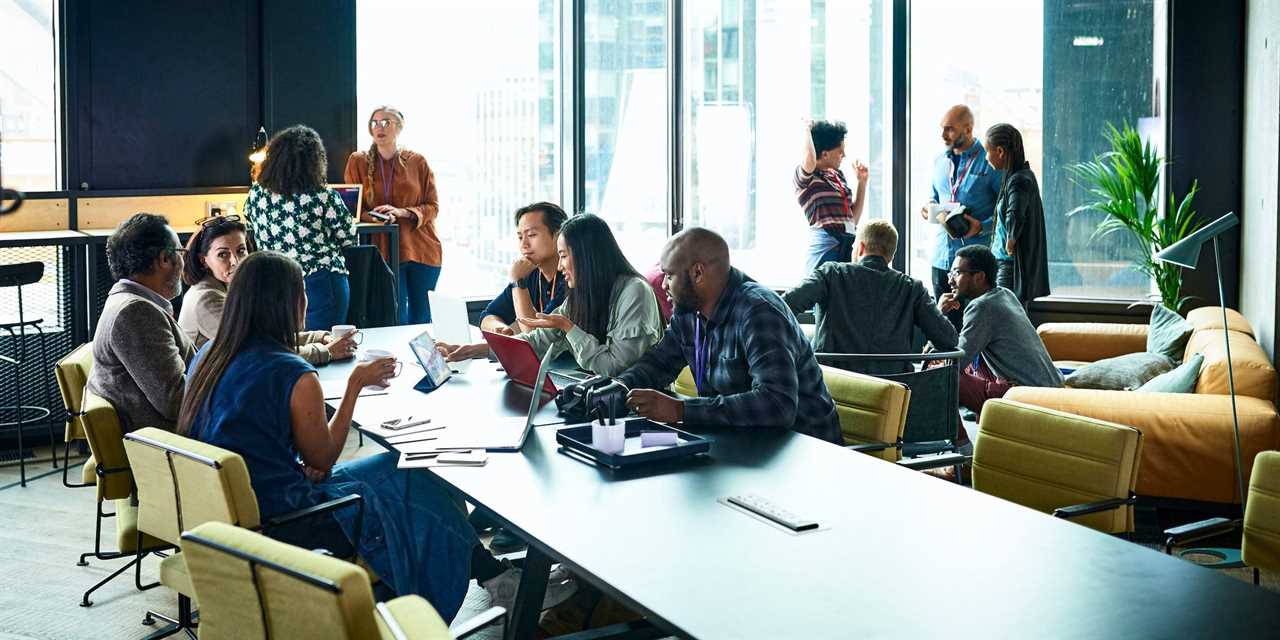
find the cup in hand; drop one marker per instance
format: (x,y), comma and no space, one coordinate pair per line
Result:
(341,331)
(379,354)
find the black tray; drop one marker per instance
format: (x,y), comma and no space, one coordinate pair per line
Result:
(577,440)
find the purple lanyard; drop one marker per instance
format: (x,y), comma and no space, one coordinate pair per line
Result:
(386,183)
(701,354)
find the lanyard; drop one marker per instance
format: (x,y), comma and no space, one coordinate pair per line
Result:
(542,301)
(386,183)
(840,189)
(955,184)
(701,353)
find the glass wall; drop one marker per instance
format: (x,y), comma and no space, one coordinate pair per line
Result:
(625,169)
(753,72)
(29,96)
(1058,71)
(479,84)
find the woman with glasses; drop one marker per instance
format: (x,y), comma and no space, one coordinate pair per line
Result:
(292,211)
(400,189)
(214,252)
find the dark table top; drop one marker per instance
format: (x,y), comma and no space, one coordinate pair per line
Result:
(899,554)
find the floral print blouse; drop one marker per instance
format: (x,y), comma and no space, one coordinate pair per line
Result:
(311,228)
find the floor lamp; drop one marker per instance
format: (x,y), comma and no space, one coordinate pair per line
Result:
(1186,253)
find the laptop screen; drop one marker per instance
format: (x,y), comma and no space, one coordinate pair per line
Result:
(351,196)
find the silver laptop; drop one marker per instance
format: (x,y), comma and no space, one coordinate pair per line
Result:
(449,323)
(508,434)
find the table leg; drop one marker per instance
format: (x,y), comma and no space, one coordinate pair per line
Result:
(523,622)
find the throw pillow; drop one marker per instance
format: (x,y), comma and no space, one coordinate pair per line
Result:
(1121,373)
(1168,333)
(1180,380)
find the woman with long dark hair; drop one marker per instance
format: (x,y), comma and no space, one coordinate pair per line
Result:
(214,252)
(249,392)
(1019,243)
(293,211)
(400,189)
(610,317)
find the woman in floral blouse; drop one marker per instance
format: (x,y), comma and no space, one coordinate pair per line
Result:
(293,212)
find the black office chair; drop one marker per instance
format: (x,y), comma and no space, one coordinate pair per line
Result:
(19,414)
(933,417)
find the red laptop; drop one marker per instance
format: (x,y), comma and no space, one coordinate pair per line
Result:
(521,362)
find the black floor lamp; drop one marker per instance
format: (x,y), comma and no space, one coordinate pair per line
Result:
(1186,253)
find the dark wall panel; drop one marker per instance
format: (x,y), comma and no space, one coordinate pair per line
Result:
(170,97)
(309,71)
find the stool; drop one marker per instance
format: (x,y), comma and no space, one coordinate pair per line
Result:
(19,275)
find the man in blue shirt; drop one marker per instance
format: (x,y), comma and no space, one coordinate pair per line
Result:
(753,366)
(961,176)
(536,284)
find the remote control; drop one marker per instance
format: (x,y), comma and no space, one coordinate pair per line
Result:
(759,506)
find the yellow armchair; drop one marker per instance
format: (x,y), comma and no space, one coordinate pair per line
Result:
(873,411)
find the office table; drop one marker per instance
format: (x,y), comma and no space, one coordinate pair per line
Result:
(899,553)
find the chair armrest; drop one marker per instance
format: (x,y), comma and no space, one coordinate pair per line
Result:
(871,447)
(479,621)
(924,463)
(1198,531)
(323,508)
(1077,510)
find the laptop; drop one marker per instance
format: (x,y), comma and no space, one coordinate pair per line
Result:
(508,434)
(352,196)
(449,319)
(521,362)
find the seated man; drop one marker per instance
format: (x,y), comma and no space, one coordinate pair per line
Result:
(867,307)
(751,363)
(997,329)
(536,284)
(139,351)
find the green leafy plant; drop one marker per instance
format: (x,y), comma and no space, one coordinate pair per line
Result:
(1123,183)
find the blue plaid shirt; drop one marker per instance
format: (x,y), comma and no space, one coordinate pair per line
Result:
(761,370)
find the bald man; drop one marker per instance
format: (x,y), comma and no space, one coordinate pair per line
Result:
(961,177)
(751,363)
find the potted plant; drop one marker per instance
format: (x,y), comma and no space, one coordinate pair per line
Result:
(1123,183)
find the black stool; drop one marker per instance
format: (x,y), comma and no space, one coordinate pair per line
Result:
(18,275)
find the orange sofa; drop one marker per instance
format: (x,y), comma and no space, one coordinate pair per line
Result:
(1187,451)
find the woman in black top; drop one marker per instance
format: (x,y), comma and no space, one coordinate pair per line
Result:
(1022,254)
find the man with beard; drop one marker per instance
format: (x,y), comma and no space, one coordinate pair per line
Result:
(961,177)
(139,351)
(751,363)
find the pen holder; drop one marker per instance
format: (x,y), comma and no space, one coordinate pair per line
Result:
(608,438)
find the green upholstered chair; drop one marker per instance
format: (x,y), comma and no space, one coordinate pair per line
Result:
(72,373)
(872,411)
(251,586)
(1260,543)
(1074,467)
(114,482)
(183,483)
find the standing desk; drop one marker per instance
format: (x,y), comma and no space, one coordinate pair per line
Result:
(900,554)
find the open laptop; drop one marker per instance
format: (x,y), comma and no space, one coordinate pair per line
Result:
(352,196)
(450,324)
(507,434)
(521,362)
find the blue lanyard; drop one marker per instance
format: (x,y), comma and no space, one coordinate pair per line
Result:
(701,353)
(386,182)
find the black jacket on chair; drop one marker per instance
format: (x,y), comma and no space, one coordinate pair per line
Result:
(373,288)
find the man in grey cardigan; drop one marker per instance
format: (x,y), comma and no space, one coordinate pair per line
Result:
(996,330)
(140,354)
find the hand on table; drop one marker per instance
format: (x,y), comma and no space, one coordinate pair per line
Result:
(340,348)
(655,405)
(460,352)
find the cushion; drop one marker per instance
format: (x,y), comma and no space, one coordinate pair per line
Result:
(1121,373)
(1168,333)
(1181,380)
(1253,371)
(1211,318)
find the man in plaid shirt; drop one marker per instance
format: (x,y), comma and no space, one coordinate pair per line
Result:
(752,364)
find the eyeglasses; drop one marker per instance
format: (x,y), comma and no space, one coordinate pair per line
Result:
(382,123)
(209,221)
(955,273)
(177,251)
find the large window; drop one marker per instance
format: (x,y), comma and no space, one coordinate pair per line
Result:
(479,84)
(626,176)
(28,95)
(1057,70)
(753,71)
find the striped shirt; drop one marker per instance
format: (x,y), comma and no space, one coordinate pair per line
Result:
(824,196)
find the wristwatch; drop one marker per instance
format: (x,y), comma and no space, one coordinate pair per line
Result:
(519,284)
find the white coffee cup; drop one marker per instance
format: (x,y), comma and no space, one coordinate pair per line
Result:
(341,331)
(934,209)
(378,354)
(609,438)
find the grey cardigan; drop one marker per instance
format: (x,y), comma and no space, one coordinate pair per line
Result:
(635,325)
(140,357)
(201,315)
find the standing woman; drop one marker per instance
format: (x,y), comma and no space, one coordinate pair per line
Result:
(292,211)
(1019,244)
(400,188)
